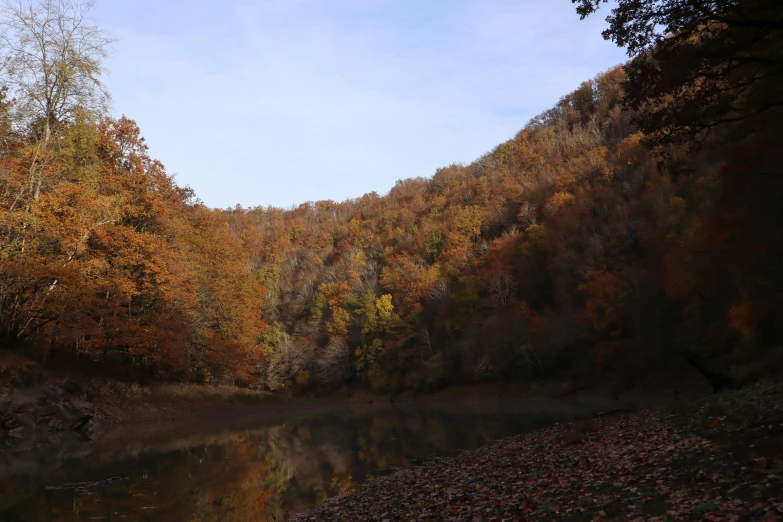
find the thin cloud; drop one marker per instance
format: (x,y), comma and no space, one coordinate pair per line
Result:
(281,102)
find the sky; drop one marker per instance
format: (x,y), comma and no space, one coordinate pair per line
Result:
(280,102)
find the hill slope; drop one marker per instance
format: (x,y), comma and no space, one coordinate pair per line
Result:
(568,246)
(570,249)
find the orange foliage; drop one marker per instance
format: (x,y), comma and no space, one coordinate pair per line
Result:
(568,240)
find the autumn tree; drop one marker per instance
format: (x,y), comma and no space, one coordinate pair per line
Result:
(566,242)
(699,64)
(52,60)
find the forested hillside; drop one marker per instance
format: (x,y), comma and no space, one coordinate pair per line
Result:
(569,245)
(106,259)
(591,242)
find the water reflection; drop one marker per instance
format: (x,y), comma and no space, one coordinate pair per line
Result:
(266,472)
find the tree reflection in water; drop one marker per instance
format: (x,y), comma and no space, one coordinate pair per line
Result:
(263,473)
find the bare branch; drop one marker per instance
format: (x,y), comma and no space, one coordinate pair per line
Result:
(52,60)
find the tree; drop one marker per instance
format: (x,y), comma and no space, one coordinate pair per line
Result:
(52,57)
(697,64)
(334,363)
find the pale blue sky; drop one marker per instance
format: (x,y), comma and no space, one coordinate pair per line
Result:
(278,102)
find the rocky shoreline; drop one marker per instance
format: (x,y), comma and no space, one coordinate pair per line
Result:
(34,417)
(43,427)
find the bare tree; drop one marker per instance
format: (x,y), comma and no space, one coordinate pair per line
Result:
(425,342)
(501,286)
(51,59)
(440,292)
(334,363)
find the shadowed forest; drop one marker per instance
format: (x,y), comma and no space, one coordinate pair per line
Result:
(636,224)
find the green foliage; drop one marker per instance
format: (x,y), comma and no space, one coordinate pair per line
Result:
(504,151)
(368,359)
(464,299)
(318,305)
(434,371)
(704,508)
(483,370)
(274,334)
(269,276)
(368,311)
(352,302)
(435,242)
(79,149)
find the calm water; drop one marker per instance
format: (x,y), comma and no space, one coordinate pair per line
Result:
(256,469)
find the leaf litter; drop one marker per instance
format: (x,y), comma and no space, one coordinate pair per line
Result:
(719,459)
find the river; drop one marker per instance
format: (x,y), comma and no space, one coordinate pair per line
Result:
(258,467)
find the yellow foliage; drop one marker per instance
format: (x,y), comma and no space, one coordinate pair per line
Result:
(384,307)
(559,200)
(358,259)
(483,370)
(536,233)
(340,323)
(469,221)
(302,377)
(366,356)
(335,293)
(676,211)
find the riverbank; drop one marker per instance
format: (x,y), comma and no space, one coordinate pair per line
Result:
(715,458)
(118,403)
(126,401)
(261,466)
